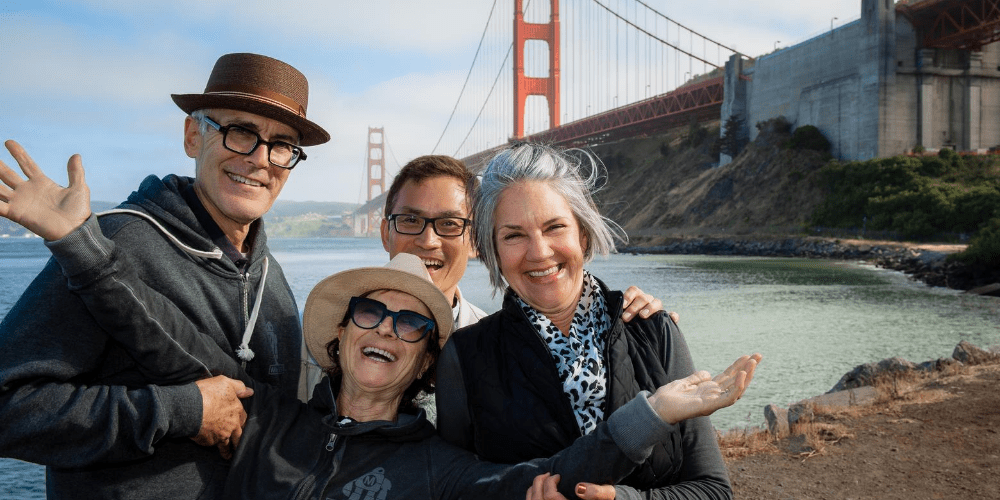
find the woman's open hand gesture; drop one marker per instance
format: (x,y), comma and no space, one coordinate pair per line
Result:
(39,204)
(700,394)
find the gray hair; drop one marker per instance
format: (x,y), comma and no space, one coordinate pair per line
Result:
(574,173)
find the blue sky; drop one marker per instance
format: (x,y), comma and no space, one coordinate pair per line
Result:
(95,76)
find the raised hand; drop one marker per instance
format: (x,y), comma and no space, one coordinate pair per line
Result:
(700,394)
(40,205)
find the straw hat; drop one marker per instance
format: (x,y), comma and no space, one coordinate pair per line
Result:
(259,85)
(327,302)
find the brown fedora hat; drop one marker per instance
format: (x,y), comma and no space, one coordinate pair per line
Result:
(260,85)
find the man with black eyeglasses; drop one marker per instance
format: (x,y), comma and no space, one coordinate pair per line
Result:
(426,214)
(73,400)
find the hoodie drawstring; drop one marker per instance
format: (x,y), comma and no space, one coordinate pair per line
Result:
(243,351)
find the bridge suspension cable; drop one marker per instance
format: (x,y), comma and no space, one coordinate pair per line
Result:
(613,53)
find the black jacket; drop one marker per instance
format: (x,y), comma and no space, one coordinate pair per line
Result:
(499,394)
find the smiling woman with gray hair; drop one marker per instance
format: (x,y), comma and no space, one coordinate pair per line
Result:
(553,363)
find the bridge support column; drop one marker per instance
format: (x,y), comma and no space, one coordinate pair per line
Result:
(524,86)
(376,176)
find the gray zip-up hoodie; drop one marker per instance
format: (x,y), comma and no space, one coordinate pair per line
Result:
(73,399)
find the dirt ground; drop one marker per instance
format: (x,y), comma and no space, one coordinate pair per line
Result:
(931,438)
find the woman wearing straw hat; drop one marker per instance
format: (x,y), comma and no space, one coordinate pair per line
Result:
(377,332)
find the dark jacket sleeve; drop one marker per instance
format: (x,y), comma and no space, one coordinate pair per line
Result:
(606,455)
(48,344)
(703,473)
(166,345)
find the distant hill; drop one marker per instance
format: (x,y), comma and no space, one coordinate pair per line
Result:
(283,208)
(286,218)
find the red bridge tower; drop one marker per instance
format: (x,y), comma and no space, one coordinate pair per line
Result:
(543,86)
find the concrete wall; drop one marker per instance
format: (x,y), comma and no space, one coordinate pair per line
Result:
(872,91)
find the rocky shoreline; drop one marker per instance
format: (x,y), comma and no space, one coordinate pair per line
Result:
(928,266)
(856,387)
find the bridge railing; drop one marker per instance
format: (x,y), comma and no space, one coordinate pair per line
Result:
(700,101)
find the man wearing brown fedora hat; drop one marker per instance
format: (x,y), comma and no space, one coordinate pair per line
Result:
(70,398)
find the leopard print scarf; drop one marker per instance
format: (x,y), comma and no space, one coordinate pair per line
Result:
(579,357)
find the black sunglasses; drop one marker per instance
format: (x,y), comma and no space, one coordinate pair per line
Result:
(407,325)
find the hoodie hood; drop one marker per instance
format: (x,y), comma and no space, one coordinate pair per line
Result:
(168,199)
(407,427)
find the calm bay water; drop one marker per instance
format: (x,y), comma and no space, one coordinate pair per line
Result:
(813,320)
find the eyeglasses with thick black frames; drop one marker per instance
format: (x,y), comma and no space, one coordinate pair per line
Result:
(244,141)
(411,224)
(407,325)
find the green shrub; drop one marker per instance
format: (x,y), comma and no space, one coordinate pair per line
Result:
(984,249)
(916,197)
(809,137)
(697,133)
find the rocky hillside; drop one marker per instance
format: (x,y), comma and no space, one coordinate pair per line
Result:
(668,187)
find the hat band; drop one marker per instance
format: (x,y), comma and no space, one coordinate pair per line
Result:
(264,95)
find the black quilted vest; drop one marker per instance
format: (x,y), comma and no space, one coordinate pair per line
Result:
(516,400)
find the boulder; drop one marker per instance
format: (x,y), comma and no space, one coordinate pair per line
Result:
(777,420)
(972,355)
(939,364)
(866,374)
(803,411)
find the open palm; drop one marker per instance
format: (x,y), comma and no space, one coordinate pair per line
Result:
(700,394)
(39,204)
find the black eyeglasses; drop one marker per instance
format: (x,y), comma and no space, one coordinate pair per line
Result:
(244,141)
(415,224)
(407,325)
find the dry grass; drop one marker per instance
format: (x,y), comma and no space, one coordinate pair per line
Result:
(828,426)
(740,443)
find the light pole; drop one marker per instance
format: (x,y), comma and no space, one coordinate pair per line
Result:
(776,42)
(831,23)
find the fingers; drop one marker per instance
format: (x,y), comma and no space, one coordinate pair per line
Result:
(698,377)
(676,318)
(234,440)
(74,170)
(637,302)
(223,415)
(734,381)
(545,487)
(241,390)
(224,450)
(10,180)
(550,488)
(27,165)
(590,491)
